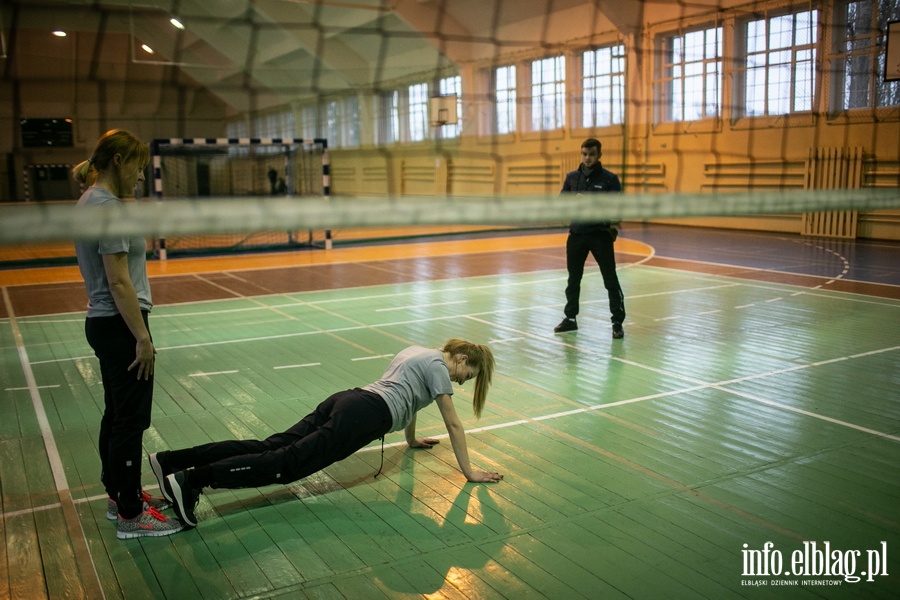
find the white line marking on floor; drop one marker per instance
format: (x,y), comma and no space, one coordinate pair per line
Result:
(38,387)
(505,340)
(78,538)
(213,373)
(411,306)
(371,357)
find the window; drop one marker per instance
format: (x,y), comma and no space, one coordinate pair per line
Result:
(309,122)
(418,112)
(341,126)
(689,88)
(389,130)
(273,125)
(237,129)
(505,99)
(332,125)
(779,75)
(548,93)
(858,58)
(603,87)
(350,125)
(447,87)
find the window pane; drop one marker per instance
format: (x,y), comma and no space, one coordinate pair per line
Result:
(603,91)
(418,111)
(506,99)
(756,36)
(859,47)
(693,92)
(780,75)
(781,32)
(548,93)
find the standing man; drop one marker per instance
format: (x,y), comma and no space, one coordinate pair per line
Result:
(596,238)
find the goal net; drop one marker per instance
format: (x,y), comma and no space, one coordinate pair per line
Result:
(293,169)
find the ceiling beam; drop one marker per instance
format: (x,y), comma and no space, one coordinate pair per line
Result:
(434,22)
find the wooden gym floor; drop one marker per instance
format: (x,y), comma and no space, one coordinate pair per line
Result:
(754,400)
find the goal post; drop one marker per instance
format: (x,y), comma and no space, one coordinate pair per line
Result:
(194,168)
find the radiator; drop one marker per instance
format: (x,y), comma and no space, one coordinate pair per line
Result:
(833,169)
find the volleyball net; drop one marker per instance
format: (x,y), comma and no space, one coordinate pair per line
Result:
(165,219)
(423,118)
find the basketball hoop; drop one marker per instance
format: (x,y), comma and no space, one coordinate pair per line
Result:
(442,110)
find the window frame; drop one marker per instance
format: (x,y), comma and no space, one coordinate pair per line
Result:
(874,54)
(558,93)
(664,81)
(741,66)
(511,101)
(584,103)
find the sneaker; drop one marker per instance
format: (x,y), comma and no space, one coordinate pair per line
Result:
(184,498)
(150,523)
(565,325)
(159,464)
(617,332)
(160,504)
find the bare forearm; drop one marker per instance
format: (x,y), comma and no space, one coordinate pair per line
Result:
(460,449)
(410,432)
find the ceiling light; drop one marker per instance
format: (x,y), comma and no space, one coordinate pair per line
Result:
(147,48)
(176,23)
(59,33)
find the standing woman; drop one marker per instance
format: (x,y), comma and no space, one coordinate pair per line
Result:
(338,427)
(116,327)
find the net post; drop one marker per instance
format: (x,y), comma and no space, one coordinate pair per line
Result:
(156,164)
(326,182)
(243,152)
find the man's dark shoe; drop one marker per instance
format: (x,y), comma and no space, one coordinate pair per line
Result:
(184,499)
(617,332)
(565,325)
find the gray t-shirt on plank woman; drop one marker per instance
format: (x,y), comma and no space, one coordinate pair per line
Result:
(90,262)
(413,380)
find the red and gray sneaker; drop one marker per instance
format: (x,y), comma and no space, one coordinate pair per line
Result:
(157,502)
(150,523)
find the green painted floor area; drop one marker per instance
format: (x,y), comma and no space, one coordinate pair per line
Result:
(733,414)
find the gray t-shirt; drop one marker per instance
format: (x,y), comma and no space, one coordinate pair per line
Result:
(414,379)
(90,262)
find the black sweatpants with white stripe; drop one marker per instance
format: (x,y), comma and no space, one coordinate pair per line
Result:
(337,428)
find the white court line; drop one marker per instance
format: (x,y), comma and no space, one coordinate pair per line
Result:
(77,536)
(550,417)
(279,336)
(645,259)
(213,373)
(420,306)
(558,415)
(505,340)
(297,366)
(806,413)
(809,365)
(37,387)
(371,357)
(475,316)
(443,291)
(34,509)
(720,385)
(699,385)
